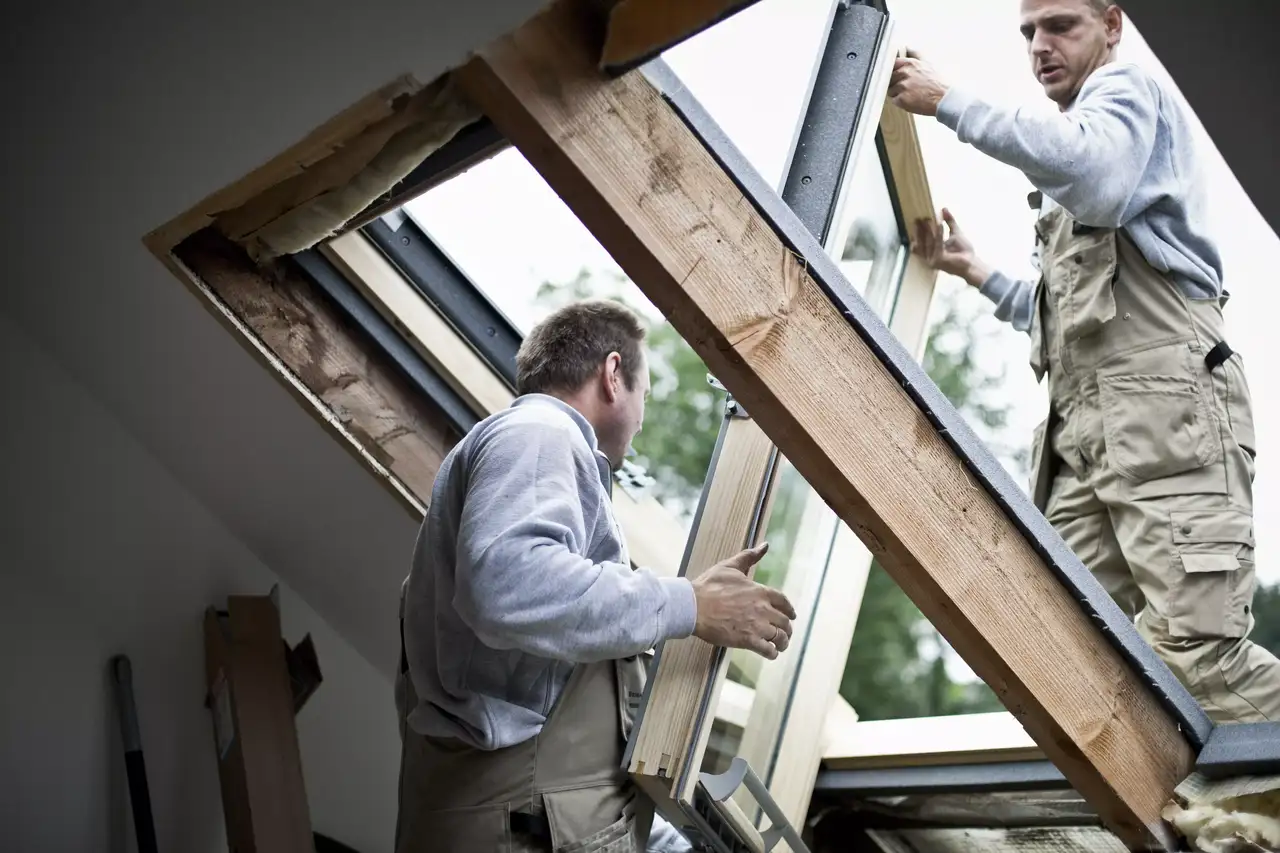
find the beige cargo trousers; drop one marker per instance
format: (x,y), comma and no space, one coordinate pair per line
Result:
(1145,464)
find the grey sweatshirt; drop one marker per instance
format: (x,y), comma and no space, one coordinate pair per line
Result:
(1123,155)
(520,571)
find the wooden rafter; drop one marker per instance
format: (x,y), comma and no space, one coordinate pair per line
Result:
(684,231)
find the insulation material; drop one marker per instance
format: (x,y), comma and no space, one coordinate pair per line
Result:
(315,205)
(1228,816)
(1066,839)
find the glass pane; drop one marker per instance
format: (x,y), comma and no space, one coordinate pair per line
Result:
(867,240)
(800,531)
(751,72)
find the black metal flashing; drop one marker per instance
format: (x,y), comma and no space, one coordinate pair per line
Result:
(1241,749)
(327,277)
(944,779)
(951,426)
(450,291)
(824,140)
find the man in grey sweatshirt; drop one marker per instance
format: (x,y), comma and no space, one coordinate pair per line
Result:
(1145,463)
(524,624)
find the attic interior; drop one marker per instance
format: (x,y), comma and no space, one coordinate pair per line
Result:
(198,462)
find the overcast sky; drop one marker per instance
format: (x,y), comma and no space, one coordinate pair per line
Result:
(751,72)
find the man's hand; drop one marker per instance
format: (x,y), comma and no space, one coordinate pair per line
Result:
(738,613)
(915,86)
(952,253)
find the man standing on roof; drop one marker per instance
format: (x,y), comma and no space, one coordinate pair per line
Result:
(1145,464)
(524,626)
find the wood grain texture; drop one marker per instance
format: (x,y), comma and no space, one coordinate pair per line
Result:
(811,545)
(639,30)
(684,233)
(361,395)
(684,672)
(265,800)
(418,322)
(906,165)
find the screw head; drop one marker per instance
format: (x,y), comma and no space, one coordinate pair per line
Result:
(404,240)
(806,180)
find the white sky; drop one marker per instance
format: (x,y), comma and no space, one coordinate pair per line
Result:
(751,73)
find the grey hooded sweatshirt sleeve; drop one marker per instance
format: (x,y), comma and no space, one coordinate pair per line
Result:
(1122,155)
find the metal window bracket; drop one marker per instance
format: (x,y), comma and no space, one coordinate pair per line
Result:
(732,408)
(715,831)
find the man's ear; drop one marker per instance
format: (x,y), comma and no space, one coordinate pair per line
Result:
(1114,19)
(612,376)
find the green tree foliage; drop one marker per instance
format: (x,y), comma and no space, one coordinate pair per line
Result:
(1266,614)
(897,662)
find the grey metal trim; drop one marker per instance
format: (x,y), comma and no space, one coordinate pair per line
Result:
(950,425)
(431,271)
(1241,749)
(358,310)
(824,141)
(944,779)
(721,787)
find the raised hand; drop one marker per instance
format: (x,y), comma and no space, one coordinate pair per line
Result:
(915,86)
(739,613)
(949,252)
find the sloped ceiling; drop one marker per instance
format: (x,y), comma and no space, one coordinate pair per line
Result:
(1223,57)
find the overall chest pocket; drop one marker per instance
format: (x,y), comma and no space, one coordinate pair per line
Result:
(1082,280)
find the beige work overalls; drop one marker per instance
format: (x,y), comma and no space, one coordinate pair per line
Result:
(1145,463)
(562,791)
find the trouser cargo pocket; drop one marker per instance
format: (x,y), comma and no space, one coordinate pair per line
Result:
(1156,422)
(1212,585)
(594,819)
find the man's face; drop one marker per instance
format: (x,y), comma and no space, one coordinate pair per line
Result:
(625,408)
(1067,40)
